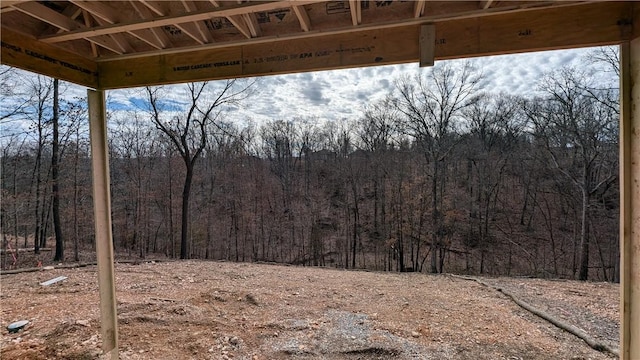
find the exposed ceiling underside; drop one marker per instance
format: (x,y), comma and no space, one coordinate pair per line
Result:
(111,44)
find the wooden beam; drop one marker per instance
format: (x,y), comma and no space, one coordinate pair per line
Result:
(117,43)
(175,19)
(47,15)
(157,7)
(107,42)
(26,53)
(239,23)
(629,165)
(346,29)
(484,5)
(418,8)
(516,32)
(356,12)
(521,13)
(87,23)
(303,17)
(588,25)
(7,5)
(72,12)
(102,216)
(98,9)
(149,37)
(427,45)
(146,13)
(54,18)
(104,15)
(252,23)
(201,27)
(191,30)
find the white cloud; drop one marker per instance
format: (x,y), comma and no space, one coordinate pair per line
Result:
(337,94)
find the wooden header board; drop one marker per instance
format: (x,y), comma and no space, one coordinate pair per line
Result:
(536,28)
(596,24)
(28,54)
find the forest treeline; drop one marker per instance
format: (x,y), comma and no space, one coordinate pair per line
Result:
(441,176)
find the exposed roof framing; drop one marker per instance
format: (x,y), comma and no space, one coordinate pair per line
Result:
(169,41)
(418,8)
(47,15)
(486,4)
(303,17)
(356,11)
(175,24)
(143,11)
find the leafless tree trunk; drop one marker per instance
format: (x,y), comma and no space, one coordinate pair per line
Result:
(429,106)
(55,191)
(188,133)
(578,133)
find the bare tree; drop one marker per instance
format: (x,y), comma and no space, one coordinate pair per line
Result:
(430,106)
(38,112)
(55,186)
(13,97)
(494,125)
(188,132)
(579,136)
(377,133)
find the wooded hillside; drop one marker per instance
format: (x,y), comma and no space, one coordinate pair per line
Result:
(439,177)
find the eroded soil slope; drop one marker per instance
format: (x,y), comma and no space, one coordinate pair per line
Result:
(214,310)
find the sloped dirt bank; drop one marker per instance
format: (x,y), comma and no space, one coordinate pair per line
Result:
(215,310)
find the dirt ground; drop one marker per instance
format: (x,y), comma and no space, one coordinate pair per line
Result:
(218,310)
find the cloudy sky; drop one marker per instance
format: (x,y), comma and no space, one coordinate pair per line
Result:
(338,94)
(341,94)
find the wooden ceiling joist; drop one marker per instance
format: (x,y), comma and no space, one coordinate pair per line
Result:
(158,7)
(7,5)
(60,21)
(104,15)
(47,15)
(303,17)
(240,24)
(72,12)
(484,5)
(167,20)
(29,54)
(87,23)
(108,43)
(201,28)
(252,23)
(191,31)
(356,12)
(148,37)
(144,12)
(596,26)
(98,10)
(418,8)
(139,38)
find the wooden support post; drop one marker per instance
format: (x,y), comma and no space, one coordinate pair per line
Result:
(427,45)
(630,200)
(102,214)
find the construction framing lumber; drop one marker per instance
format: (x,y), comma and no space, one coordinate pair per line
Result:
(630,200)
(26,53)
(595,24)
(102,216)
